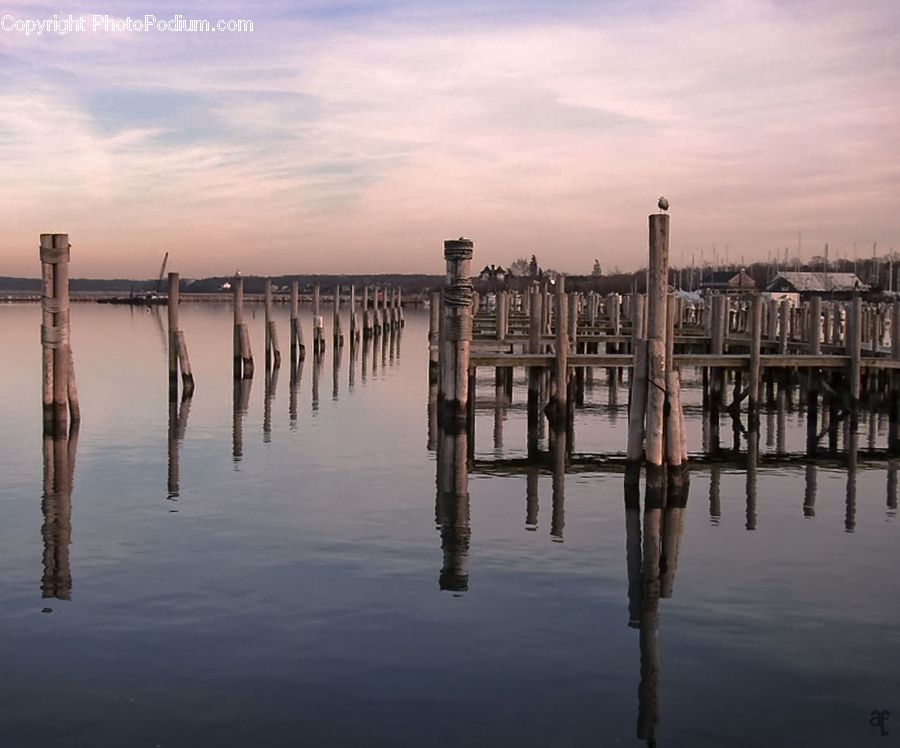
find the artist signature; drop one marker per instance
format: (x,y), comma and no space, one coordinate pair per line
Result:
(879,719)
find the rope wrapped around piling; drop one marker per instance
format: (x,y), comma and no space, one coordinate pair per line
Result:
(459,295)
(54,255)
(53,337)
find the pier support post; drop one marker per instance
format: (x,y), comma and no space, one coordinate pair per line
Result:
(656,337)
(535,374)
(243,356)
(298,348)
(558,409)
(434,327)
(59,396)
(458,294)
(178,354)
(756,324)
(854,345)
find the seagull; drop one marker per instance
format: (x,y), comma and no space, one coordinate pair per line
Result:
(663,203)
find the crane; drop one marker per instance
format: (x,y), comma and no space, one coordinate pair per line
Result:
(162,272)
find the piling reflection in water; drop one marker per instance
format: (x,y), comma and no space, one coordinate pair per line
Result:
(316,375)
(56,506)
(559,453)
(271,383)
(296,378)
(452,509)
(852,441)
(240,404)
(809,492)
(336,356)
(651,562)
(178,419)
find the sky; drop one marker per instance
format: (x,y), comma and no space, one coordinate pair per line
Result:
(357,136)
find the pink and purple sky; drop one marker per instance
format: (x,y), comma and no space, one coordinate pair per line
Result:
(355,137)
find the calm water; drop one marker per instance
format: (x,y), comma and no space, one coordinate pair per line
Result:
(284,586)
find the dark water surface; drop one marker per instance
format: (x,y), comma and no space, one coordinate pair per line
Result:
(291,595)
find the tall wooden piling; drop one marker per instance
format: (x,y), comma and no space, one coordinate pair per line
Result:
(657,289)
(458,294)
(318,323)
(59,398)
(298,348)
(535,375)
(243,356)
(273,354)
(559,402)
(854,348)
(434,347)
(178,355)
(172,310)
(756,324)
(337,332)
(354,322)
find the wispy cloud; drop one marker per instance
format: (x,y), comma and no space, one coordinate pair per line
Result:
(358,136)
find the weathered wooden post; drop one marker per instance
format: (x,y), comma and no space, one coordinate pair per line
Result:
(243,356)
(60,398)
(337,332)
(784,326)
(318,323)
(535,374)
(178,355)
(172,310)
(657,290)
(854,348)
(354,323)
(298,348)
(815,326)
(434,347)
(756,324)
(366,317)
(558,411)
(273,354)
(458,294)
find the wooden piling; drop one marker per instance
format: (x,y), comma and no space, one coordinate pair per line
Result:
(657,289)
(298,348)
(458,294)
(172,314)
(854,345)
(434,348)
(56,351)
(178,354)
(814,330)
(559,402)
(243,357)
(753,380)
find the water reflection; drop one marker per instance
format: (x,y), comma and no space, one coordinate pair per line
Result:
(452,509)
(178,419)
(56,506)
(651,563)
(296,379)
(271,384)
(240,402)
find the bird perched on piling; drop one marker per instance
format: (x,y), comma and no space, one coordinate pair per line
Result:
(663,203)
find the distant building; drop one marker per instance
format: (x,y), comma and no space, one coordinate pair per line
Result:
(806,284)
(728,281)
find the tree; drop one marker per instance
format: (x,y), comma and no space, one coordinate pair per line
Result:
(519,267)
(597,269)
